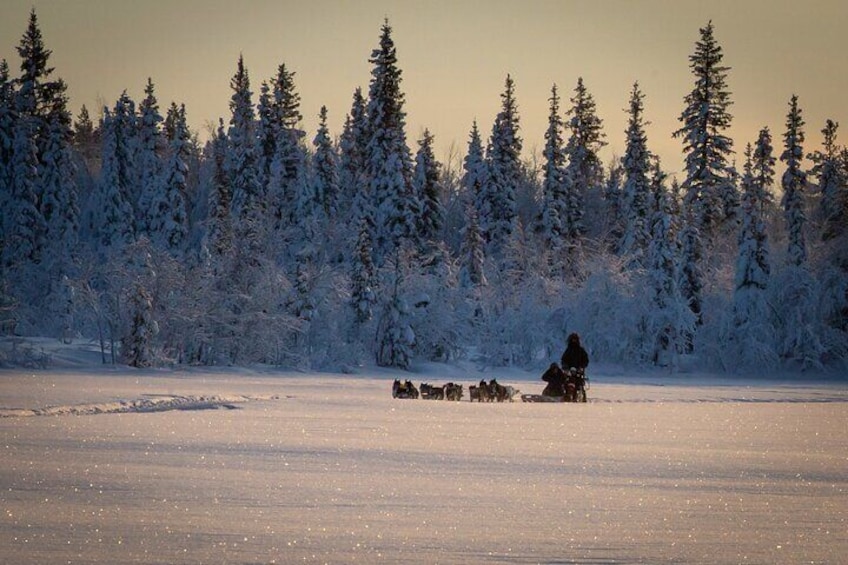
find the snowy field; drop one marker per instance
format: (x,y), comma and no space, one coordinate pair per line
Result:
(103,465)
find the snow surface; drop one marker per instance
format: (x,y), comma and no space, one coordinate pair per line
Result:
(318,468)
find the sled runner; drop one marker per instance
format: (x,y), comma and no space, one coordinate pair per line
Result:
(541,398)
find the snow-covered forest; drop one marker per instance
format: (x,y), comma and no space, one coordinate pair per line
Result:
(327,250)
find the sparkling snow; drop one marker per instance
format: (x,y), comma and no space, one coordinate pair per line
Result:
(323,468)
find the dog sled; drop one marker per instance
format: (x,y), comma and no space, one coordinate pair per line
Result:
(563,386)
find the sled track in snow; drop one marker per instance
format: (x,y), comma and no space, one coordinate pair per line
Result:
(146,404)
(726,400)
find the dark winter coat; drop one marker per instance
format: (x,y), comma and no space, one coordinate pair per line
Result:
(575,356)
(556,381)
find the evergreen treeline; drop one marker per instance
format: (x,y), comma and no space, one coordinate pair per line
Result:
(264,245)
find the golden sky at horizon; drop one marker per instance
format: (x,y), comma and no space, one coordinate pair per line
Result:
(455,55)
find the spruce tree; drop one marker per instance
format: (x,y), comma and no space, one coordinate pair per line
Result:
(7,121)
(219,234)
(286,104)
(288,188)
(149,157)
(325,165)
(831,182)
(137,345)
(636,192)
(705,119)
(472,255)
(749,336)
(498,213)
(752,265)
(388,160)
(363,277)
(25,228)
(301,303)
(169,221)
(475,175)
(36,91)
(553,178)
(426,182)
(85,138)
(794,183)
(352,185)
(267,131)
(691,273)
(34,100)
(83,126)
(34,56)
(114,217)
(247,205)
(395,337)
(124,152)
(661,260)
(762,171)
(59,204)
(613,198)
(7,139)
(840,223)
(584,171)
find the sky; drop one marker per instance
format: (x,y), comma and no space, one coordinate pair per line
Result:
(454,56)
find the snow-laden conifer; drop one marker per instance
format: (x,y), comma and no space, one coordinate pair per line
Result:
(472,255)
(25,229)
(125,150)
(219,233)
(7,139)
(267,128)
(636,198)
(388,160)
(248,204)
(794,183)
(169,221)
(353,188)
(301,303)
(475,175)
(752,266)
(670,319)
(362,277)
(86,136)
(325,168)
(613,199)
(498,213)
(584,171)
(59,203)
(691,272)
(426,182)
(750,339)
(36,90)
(137,345)
(114,219)
(395,336)
(290,195)
(553,178)
(831,181)
(707,147)
(149,155)
(762,171)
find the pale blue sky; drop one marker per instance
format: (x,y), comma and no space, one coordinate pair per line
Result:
(454,55)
